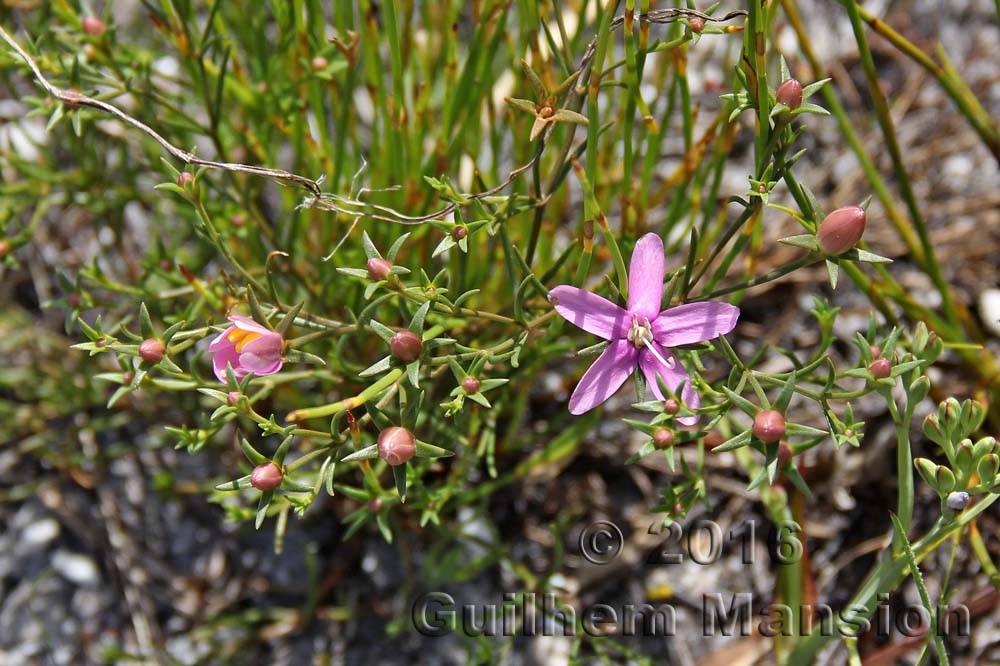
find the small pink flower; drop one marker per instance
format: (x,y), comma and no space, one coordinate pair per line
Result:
(640,334)
(248,347)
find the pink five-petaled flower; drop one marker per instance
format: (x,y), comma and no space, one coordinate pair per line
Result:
(640,334)
(248,347)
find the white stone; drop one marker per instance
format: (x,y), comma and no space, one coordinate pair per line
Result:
(75,568)
(989,309)
(40,533)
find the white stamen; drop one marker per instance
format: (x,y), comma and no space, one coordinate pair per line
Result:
(669,364)
(641,335)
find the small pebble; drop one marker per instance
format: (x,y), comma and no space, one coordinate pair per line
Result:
(989,309)
(75,568)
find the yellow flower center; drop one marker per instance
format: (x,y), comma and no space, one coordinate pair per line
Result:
(242,338)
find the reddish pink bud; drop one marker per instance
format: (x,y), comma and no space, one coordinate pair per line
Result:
(697,24)
(470,385)
(318,63)
(671,406)
(266,476)
(185,179)
(166,264)
(73,300)
(880,368)
(458,233)
(663,438)
(396,445)
(876,351)
(841,230)
(93,26)
(152,350)
(128,376)
(769,426)
(238,220)
(789,93)
(233,398)
(785,454)
(378,268)
(375,504)
(4,248)
(406,346)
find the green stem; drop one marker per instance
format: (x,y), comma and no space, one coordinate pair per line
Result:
(348,403)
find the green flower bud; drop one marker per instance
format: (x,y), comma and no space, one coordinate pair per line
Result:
(988,468)
(964,457)
(926,469)
(945,480)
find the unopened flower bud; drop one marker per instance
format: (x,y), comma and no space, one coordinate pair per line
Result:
(957,501)
(238,220)
(4,248)
(93,26)
(671,406)
(789,93)
(73,299)
(266,476)
(406,346)
(152,350)
(375,504)
(769,426)
(697,24)
(185,179)
(233,398)
(841,230)
(880,368)
(396,445)
(785,454)
(127,377)
(663,438)
(876,351)
(318,63)
(458,233)
(378,268)
(470,385)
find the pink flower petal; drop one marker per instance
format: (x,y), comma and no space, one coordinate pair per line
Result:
(645,277)
(694,322)
(590,312)
(224,355)
(604,377)
(263,355)
(259,365)
(221,340)
(267,347)
(672,377)
(248,324)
